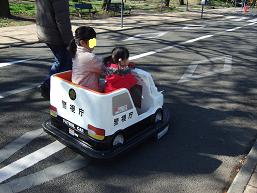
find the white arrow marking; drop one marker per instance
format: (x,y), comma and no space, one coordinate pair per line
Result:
(3,64)
(29,160)
(146,36)
(189,74)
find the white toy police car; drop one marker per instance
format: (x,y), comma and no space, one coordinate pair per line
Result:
(103,125)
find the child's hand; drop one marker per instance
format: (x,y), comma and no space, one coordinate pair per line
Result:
(132,65)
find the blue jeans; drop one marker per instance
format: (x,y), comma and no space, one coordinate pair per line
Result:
(62,61)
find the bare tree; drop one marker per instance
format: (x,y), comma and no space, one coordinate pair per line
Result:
(4,8)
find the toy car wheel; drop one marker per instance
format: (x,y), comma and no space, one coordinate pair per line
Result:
(118,140)
(158,116)
(160,130)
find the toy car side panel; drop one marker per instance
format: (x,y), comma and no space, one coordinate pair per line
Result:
(151,98)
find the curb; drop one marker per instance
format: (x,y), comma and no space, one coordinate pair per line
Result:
(242,178)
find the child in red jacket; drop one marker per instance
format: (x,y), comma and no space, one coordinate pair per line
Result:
(118,71)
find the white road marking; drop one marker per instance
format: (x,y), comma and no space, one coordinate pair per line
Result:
(240,19)
(233,29)
(29,160)
(142,55)
(251,23)
(252,20)
(193,27)
(16,91)
(19,143)
(50,173)
(146,36)
(231,17)
(3,64)
(189,74)
(197,39)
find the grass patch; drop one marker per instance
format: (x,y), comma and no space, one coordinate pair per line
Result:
(6,22)
(26,9)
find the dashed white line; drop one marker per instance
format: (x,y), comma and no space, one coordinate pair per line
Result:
(197,39)
(240,19)
(142,55)
(233,29)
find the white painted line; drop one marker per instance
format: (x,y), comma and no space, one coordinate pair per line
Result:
(29,160)
(240,19)
(16,91)
(146,36)
(193,27)
(50,173)
(197,39)
(233,29)
(142,55)
(3,64)
(251,23)
(19,143)
(165,48)
(252,20)
(231,17)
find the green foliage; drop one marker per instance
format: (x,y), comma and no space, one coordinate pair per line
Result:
(220,3)
(27,9)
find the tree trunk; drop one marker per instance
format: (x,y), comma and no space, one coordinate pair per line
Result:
(4,8)
(181,2)
(106,4)
(167,3)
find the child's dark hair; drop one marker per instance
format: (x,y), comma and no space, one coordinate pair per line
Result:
(119,53)
(81,33)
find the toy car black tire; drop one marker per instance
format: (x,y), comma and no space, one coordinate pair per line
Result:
(161,124)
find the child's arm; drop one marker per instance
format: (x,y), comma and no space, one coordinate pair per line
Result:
(132,65)
(96,65)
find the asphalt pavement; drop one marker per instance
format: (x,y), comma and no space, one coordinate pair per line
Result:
(246,178)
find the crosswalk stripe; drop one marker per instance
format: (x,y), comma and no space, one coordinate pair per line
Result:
(50,173)
(19,143)
(29,160)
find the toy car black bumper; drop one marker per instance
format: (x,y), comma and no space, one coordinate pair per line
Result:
(85,149)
